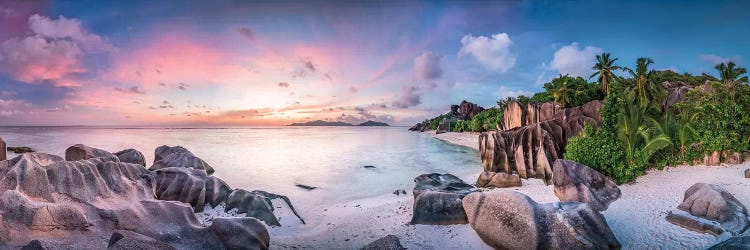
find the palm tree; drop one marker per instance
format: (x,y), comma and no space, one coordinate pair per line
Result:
(645,90)
(563,94)
(640,136)
(604,67)
(730,74)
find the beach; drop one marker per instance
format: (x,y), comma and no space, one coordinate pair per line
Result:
(637,218)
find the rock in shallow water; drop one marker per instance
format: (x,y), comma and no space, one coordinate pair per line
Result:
(511,220)
(437,199)
(576,182)
(241,233)
(714,203)
(128,240)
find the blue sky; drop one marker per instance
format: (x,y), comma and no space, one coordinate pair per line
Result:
(273,63)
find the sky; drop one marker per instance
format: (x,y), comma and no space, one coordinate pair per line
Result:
(268,63)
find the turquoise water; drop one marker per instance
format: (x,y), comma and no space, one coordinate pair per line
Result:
(275,159)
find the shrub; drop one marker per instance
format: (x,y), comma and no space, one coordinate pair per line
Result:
(485,120)
(594,148)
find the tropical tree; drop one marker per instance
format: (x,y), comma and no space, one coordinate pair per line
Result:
(564,93)
(604,67)
(730,74)
(640,136)
(646,92)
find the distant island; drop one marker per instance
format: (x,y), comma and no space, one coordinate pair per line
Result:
(327,123)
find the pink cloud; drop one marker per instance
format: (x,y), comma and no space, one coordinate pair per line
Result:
(52,51)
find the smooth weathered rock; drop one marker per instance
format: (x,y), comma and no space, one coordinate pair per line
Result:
(514,116)
(437,199)
(713,159)
(713,203)
(181,184)
(128,240)
(747,173)
(732,158)
(131,156)
(467,110)
(3,150)
(217,191)
(498,180)
(444,126)
(511,220)
(530,151)
(257,204)
(82,152)
(241,233)
(33,245)
(389,242)
(82,202)
(676,92)
(693,224)
(166,157)
(539,112)
(576,182)
(734,243)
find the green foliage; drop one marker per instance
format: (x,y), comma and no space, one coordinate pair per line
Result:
(719,115)
(486,120)
(571,91)
(604,70)
(730,74)
(596,149)
(541,97)
(460,126)
(660,77)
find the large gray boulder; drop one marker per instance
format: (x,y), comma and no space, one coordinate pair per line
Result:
(437,199)
(498,180)
(389,242)
(511,220)
(82,152)
(166,157)
(187,185)
(576,182)
(241,233)
(131,156)
(714,203)
(444,126)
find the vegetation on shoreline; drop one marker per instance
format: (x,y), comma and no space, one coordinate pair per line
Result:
(639,130)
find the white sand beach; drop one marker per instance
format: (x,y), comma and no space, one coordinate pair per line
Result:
(637,218)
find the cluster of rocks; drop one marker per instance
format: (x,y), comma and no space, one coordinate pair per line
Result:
(530,150)
(723,212)
(676,92)
(511,220)
(463,111)
(91,195)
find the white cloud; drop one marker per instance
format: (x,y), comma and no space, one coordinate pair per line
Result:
(492,52)
(575,61)
(505,92)
(714,59)
(427,66)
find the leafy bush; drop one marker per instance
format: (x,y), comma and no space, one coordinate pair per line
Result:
(577,91)
(485,120)
(720,115)
(594,148)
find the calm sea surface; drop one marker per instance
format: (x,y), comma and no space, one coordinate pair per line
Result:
(275,159)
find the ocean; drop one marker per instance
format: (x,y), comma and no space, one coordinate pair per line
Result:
(275,159)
